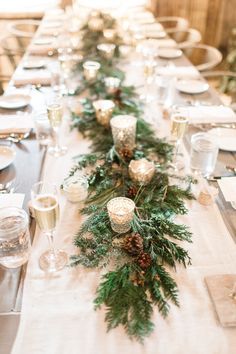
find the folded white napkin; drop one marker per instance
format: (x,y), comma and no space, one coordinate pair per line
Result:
(164,43)
(209,114)
(15,123)
(11,200)
(48,31)
(141,17)
(33,77)
(35,49)
(228,188)
(178,71)
(152,27)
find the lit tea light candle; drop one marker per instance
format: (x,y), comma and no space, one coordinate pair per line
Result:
(109,34)
(121,213)
(91,70)
(124,131)
(141,171)
(76,188)
(106,50)
(95,24)
(103,110)
(112,84)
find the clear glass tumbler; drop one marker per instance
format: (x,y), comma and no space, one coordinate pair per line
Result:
(43,128)
(203,156)
(14,237)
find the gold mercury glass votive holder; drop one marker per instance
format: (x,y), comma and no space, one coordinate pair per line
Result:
(91,69)
(112,84)
(121,213)
(109,34)
(103,111)
(124,131)
(96,24)
(141,171)
(106,50)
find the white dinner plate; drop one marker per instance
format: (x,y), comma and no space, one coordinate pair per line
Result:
(43,40)
(191,87)
(233,204)
(7,156)
(169,53)
(14,101)
(155,34)
(52,24)
(225,138)
(33,64)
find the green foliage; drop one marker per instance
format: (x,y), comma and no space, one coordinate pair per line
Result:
(126,304)
(131,290)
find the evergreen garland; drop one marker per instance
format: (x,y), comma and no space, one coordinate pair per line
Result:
(139,280)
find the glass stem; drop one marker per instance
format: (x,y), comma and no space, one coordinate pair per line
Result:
(56,138)
(177,145)
(50,236)
(233,292)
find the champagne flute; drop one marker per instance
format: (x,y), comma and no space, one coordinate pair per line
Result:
(45,202)
(149,67)
(55,115)
(179,124)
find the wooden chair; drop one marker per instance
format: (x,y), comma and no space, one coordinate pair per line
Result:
(12,48)
(3,81)
(225,83)
(23,28)
(186,37)
(204,57)
(173,22)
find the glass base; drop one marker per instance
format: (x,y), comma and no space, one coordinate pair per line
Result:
(57,150)
(146,98)
(52,262)
(177,165)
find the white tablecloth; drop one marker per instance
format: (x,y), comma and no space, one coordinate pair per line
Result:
(57,311)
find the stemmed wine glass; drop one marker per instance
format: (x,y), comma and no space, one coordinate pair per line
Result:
(149,67)
(179,124)
(55,115)
(44,197)
(233,292)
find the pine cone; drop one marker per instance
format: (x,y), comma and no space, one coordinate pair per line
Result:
(118,95)
(138,278)
(133,244)
(126,153)
(132,191)
(144,260)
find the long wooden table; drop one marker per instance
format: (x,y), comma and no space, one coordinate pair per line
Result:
(27,170)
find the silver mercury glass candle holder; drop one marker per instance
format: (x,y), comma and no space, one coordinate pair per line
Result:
(103,111)
(91,69)
(106,49)
(109,34)
(141,171)
(124,131)
(121,213)
(112,84)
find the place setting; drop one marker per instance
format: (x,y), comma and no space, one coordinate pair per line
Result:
(14,101)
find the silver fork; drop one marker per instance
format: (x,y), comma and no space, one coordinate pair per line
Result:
(14,137)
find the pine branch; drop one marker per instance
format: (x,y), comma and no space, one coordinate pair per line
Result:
(126,304)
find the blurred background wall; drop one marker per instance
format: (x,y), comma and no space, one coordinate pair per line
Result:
(215,19)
